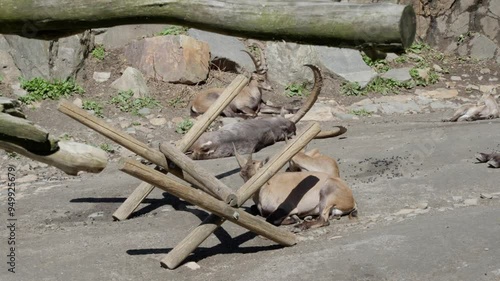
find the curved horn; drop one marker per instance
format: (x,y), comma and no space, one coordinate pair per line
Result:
(313,96)
(241,161)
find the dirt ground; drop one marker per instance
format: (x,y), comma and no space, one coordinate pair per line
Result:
(415,180)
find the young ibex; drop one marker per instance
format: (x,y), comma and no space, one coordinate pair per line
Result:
(314,161)
(299,194)
(486,108)
(493,159)
(249,101)
(251,135)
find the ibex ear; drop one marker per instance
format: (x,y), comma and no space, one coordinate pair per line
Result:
(241,161)
(206,146)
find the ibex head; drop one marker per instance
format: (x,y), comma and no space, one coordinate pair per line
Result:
(248,166)
(259,76)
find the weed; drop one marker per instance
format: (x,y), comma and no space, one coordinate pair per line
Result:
(361,112)
(296,90)
(13,155)
(99,52)
(40,89)
(127,103)
(351,89)
(174,30)
(380,66)
(107,147)
(418,48)
(94,106)
(176,102)
(431,77)
(401,59)
(184,126)
(65,137)
(136,123)
(386,86)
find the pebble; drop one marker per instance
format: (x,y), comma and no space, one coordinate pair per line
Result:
(158,121)
(96,215)
(192,265)
(471,202)
(456,78)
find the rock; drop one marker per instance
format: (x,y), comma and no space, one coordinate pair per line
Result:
(119,36)
(391,57)
(8,70)
(484,71)
(438,93)
(363,102)
(403,212)
(319,112)
(346,63)
(471,202)
(130,131)
(78,102)
(177,120)
(347,116)
(17,90)
(400,107)
(482,47)
(27,178)
(68,55)
(131,79)
(175,59)
(441,105)
(192,265)
(437,68)
(96,215)
(487,88)
(225,51)
(471,87)
(456,78)
(457,198)
(125,124)
(101,76)
(422,205)
(487,196)
(158,121)
(415,57)
(398,74)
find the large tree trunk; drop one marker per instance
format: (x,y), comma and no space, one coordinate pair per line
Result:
(314,21)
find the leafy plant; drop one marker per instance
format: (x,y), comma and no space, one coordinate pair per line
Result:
(40,89)
(176,102)
(351,89)
(127,103)
(380,66)
(184,126)
(361,112)
(107,147)
(386,86)
(13,155)
(99,52)
(65,137)
(94,106)
(174,30)
(295,90)
(418,48)
(431,78)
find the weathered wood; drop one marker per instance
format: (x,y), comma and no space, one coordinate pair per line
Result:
(71,157)
(207,179)
(25,134)
(321,22)
(207,202)
(142,191)
(212,222)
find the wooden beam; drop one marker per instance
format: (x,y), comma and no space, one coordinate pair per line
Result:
(212,222)
(310,22)
(207,202)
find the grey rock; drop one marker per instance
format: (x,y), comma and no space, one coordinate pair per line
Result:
(131,79)
(400,107)
(119,36)
(285,62)
(144,111)
(17,90)
(225,51)
(8,69)
(30,55)
(471,202)
(346,116)
(346,63)
(101,77)
(482,47)
(398,74)
(441,105)
(319,112)
(68,55)
(440,93)
(456,78)
(96,215)
(158,121)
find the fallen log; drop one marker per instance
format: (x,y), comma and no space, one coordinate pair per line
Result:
(320,22)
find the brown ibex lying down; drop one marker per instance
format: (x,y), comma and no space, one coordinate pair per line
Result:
(251,135)
(314,161)
(486,108)
(249,101)
(493,159)
(299,194)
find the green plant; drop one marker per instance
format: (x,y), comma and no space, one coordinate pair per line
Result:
(65,137)
(296,90)
(386,86)
(106,147)
(127,103)
(418,48)
(184,126)
(174,30)
(351,89)
(99,52)
(94,106)
(361,112)
(380,66)
(431,77)
(13,155)
(136,123)
(40,89)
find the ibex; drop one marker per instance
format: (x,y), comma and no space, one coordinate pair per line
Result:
(249,101)
(486,108)
(314,161)
(493,159)
(299,194)
(251,135)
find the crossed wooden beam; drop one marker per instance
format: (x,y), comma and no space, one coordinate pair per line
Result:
(209,193)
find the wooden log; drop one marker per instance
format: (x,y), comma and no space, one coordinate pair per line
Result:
(134,145)
(212,222)
(25,134)
(206,178)
(207,202)
(320,22)
(71,157)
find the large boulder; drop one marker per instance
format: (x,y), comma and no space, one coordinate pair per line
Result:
(120,36)
(175,59)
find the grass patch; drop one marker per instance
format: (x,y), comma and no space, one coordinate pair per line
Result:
(388,86)
(99,52)
(184,126)
(361,112)
(430,77)
(379,65)
(40,89)
(94,106)
(107,147)
(176,102)
(127,103)
(296,90)
(351,89)
(174,30)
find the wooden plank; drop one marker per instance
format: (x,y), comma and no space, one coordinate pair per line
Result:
(202,200)
(212,222)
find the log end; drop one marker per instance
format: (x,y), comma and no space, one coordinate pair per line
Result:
(408,26)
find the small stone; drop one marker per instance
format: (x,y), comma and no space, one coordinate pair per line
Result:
(100,77)
(125,124)
(192,265)
(130,131)
(487,88)
(456,78)
(158,121)
(404,212)
(437,68)
(485,71)
(78,102)
(144,111)
(17,90)
(423,205)
(471,202)
(493,79)
(471,87)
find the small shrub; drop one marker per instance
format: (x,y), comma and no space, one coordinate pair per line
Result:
(351,89)
(174,30)
(99,52)
(380,66)
(94,106)
(107,147)
(295,90)
(40,89)
(361,112)
(126,102)
(184,126)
